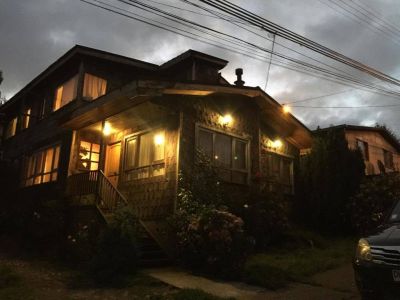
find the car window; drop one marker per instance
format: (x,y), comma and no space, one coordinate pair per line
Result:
(394,217)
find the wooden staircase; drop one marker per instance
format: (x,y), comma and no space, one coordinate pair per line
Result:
(108,199)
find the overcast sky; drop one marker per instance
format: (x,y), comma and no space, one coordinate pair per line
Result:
(34,33)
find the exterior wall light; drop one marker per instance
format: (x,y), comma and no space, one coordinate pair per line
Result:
(277,144)
(107,129)
(286,109)
(226,119)
(159,139)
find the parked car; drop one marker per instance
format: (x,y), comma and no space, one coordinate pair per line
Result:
(377,260)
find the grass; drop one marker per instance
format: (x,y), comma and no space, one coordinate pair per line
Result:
(276,268)
(12,286)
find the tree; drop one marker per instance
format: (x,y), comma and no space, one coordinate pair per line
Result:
(329,176)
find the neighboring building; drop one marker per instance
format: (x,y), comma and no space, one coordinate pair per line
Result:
(380,149)
(97,123)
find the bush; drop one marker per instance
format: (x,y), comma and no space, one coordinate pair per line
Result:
(116,253)
(209,237)
(328,177)
(377,194)
(265,218)
(213,241)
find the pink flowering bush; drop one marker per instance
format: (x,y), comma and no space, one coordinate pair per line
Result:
(213,241)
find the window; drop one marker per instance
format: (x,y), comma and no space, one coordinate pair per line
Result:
(41,167)
(279,170)
(11,128)
(363,146)
(26,117)
(144,155)
(65,93)
(89,155)
(388,159)
(93,87)
(228,154)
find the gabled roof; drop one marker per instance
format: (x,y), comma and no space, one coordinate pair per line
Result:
(82,50)
(382,130)
(190,54)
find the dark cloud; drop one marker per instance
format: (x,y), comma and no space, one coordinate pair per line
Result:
(35,33)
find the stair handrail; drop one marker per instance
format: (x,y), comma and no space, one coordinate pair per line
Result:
(120,197)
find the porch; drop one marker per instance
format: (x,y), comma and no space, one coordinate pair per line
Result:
(127,159)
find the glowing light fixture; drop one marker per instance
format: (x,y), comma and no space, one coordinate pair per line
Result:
(226,119)
(159,139)
(107,129)
(286,109)
(277,144)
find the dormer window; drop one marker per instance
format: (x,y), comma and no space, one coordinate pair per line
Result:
(93,87)
(65,93)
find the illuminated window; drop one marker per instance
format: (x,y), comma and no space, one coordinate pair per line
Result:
(11,128)
(93,87)
(65,93)
(89,156)
(228,153)
(144,155)
(26,117)
(41,167)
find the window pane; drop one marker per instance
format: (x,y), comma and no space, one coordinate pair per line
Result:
(38,179)
(69,90)
(58,98)
(26,118)
(54,176)
(39,163)
(146,143)
(239,159)
(159,143)
(56,157)
(48,160)
(223,150)
(65,93)
(94,157)
(130,153)
(94,166)
(46,178)
(94,86)
(205,143)
(96,148)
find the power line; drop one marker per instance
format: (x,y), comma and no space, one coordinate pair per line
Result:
(239,12)
(318,97)
(294,65)
(341,107)
(168,16)
(355,13)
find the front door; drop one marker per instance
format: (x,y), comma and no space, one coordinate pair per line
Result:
(113,154)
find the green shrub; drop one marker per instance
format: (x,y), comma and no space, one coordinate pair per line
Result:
(116,254)
(377,194)
(215,242)
(328,177)
(265,218)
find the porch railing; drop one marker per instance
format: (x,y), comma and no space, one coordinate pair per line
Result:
(108,197)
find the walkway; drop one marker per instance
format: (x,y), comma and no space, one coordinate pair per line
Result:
(336,284)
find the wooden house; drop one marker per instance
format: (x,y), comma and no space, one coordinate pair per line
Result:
(379,147)
(97,123)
